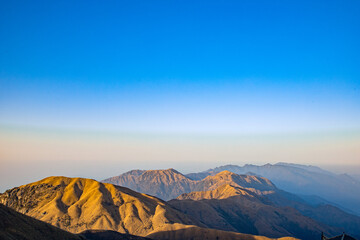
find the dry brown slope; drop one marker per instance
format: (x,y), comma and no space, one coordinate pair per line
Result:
(78,204)
(258,185)
(232,208)
(221,192)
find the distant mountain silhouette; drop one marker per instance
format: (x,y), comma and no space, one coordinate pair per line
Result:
(340,189)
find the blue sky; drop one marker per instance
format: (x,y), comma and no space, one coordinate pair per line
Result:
(179,67)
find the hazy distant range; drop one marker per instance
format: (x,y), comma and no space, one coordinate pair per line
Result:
(315,185)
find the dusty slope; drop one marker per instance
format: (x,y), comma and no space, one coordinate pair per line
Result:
(77,204)
(233,209)
(17,226)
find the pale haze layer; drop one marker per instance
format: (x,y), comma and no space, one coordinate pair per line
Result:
(29,154)
(95,89)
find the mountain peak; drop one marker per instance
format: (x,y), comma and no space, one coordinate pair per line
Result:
(222,192)
(225,173)
(89,204)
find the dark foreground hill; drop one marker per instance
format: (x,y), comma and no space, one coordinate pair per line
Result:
(17,226)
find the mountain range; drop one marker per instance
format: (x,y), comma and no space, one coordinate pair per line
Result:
(77,205)
(169,184)
(227,192)
(313,183)
(165,204)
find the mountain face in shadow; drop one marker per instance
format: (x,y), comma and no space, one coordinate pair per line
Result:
(109,235)
(17,226)
(340,189)
(77,204)
(248,213)
(196,233)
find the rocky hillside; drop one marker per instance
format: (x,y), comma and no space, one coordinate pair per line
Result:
(165,184)
(77,204)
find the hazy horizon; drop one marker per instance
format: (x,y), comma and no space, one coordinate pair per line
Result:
(102,154)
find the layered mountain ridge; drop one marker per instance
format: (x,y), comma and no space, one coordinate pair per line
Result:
(341,190)
(78,205)
(220,204)
(238,202)
(169,184)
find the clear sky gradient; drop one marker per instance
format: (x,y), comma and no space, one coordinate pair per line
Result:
(96,88)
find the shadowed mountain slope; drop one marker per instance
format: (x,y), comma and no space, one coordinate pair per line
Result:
(340,189)
(77,204)
(109,235)
(231,208)
(324,213)
(17,226)
(327,216)
(197,233)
